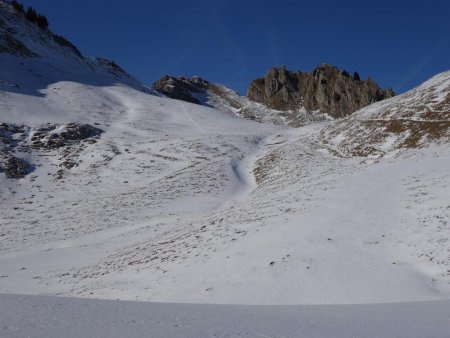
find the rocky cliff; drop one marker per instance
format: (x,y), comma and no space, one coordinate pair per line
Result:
(325,89)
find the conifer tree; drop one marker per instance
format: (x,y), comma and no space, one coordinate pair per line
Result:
(31,14)
(18,6)
(42,21)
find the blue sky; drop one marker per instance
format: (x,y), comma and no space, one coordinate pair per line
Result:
(397,43)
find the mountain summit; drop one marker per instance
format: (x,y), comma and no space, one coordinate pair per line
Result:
(326,89)
(297,97)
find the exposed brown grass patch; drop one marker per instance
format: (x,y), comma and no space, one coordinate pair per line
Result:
(416,131)
(263,167)
(436,115)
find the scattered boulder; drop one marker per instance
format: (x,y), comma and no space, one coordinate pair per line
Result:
(15,167)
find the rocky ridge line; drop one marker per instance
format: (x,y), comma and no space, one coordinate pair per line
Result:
(326,89)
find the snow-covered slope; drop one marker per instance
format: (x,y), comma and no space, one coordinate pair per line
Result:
(163,200)
(415,119)
(225,99)
(32,59)
(164,208)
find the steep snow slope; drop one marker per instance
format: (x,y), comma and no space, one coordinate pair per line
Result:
(32,59)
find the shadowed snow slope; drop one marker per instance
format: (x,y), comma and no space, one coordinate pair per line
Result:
(48,317)
(33,59)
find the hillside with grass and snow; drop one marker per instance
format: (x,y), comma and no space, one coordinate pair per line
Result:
(111,190)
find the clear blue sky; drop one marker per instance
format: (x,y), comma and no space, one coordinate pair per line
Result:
(398,43)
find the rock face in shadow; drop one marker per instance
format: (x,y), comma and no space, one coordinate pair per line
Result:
(181,88)
(12,19)
(325,89)
(33,57)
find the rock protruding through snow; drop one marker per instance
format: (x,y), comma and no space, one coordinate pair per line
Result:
(17,140)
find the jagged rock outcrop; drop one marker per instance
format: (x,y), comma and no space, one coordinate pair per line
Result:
(325,89)
(299,98)
(181,88)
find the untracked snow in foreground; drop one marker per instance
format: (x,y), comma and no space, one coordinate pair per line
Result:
(55,317)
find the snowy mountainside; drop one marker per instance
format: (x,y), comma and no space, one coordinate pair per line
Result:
(179,217)
(33,58)
(122,194)
(415,119)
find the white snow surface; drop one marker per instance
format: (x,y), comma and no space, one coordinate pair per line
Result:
(55,317)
